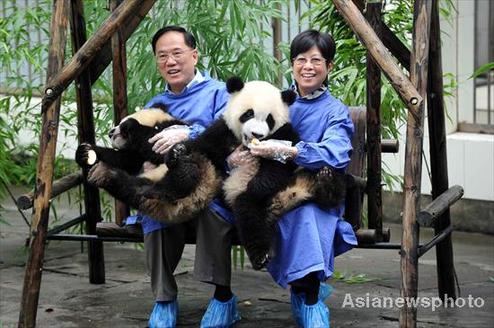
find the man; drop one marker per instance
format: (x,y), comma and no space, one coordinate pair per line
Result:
(197,99)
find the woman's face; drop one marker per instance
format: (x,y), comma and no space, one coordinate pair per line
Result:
(310,69)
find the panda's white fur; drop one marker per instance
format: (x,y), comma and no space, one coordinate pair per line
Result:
(264,99)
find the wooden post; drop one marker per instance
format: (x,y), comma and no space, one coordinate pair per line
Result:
(379,53)
(89,50)
(374,189)
(85,124)
(413,163)
(120,109)
(438,154)
(44,171)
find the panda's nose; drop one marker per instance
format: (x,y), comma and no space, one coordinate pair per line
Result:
(257,135)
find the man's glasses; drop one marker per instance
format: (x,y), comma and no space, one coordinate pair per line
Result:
(177,55)
(314,61)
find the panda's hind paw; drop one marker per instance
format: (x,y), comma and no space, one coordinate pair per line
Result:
(175,154)
(100,175)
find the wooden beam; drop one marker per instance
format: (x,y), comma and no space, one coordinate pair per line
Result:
(120,109)
(390,40)
(44,171)
(390,145)
(59,186)
(88,51)
(431,214)
(101,62)
(86,132)
(374,189)
(413,163)
(379,53)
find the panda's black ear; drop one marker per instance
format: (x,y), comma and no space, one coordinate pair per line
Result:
(234,84)
(161,106)
(288,96)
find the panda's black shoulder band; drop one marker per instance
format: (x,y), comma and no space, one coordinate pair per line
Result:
(288,96)
(234,84)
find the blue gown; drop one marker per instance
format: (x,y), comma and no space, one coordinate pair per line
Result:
(309,238)
(198,105)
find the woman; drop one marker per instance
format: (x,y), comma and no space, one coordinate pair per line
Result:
(310,237)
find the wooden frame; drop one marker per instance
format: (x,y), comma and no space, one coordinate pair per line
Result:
(107,44)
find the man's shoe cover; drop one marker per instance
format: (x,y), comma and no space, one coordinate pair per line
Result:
(315,316)
(220,314)
(164,315)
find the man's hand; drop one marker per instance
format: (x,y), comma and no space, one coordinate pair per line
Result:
(164,140)
(273,150)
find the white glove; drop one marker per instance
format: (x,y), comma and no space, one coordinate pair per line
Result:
(278,150)
(170,136)
(240,157)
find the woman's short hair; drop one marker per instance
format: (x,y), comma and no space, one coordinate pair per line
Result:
(310,38)
(190,41)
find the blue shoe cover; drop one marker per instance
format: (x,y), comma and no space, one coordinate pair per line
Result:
(221,314)
(164,315)
(297,300)
(315,316)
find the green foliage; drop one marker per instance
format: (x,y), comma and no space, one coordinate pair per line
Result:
(352,279)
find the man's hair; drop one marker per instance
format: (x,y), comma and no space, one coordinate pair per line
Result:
(307,39)
(190,41)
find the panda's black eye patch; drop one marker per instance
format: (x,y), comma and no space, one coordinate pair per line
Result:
(270,121)
(246,116)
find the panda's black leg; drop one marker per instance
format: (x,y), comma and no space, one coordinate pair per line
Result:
(256,232)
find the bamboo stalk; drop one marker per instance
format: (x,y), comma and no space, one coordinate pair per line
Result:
(439,161)
(120,109)
(44,172)
(413,163)
(89,50)
(61,185)
(85,124)
(379,53)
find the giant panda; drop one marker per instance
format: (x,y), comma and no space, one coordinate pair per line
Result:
(195,169)
(259,194)
(119,169)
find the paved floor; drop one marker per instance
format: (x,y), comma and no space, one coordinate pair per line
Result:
(364,276)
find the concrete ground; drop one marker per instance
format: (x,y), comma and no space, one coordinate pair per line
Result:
(364,276)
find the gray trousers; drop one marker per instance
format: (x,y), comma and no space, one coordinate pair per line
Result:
(212,264)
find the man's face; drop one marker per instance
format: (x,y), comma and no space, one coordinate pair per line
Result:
(175,60)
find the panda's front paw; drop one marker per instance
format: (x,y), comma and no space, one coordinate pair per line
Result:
(85,156)
(175,154)
(100,175)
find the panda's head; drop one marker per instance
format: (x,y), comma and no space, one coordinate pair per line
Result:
(133,128)
(256,109)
